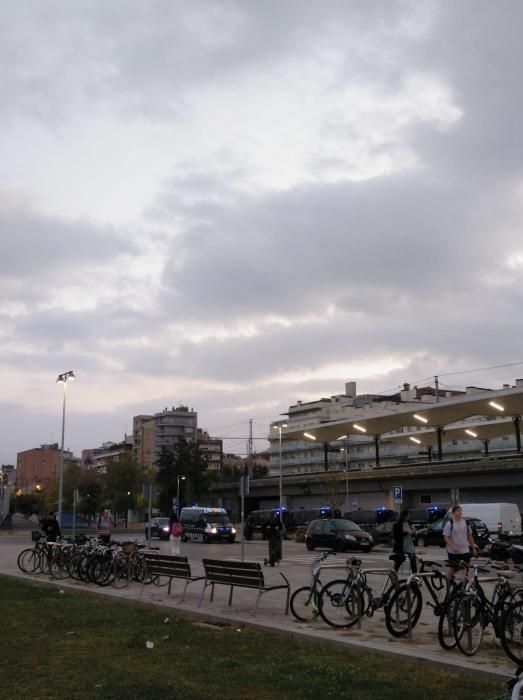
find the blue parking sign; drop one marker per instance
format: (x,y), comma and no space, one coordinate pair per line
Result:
(397,493)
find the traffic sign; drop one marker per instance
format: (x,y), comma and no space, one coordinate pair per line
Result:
(397,494)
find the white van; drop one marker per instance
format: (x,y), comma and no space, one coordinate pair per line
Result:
(498,517)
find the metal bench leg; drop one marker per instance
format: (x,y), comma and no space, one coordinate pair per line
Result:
(185,588)
(170,583)
(230,595)
(203,593)
(257,602)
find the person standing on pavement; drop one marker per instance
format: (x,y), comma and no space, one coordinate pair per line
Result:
(103,527)
(402,533)
(175,534)
(274,533)
(458,539)
(51,527)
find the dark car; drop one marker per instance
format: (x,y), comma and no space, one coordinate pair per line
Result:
(159,528)
(338,534)
(433,534)
(382,533)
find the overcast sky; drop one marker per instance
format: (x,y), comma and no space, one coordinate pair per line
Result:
(237,205)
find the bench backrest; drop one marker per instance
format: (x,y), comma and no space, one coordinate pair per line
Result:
(167,565)
(237,573)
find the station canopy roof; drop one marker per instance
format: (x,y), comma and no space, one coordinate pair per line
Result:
(504,403)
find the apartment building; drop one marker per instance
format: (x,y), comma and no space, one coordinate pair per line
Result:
(305,455)
(97,458)
(212,448)
(152,432)
(38,466)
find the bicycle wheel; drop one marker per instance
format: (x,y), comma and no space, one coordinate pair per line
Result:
(446,622)
(302,604)
(28,561)
(511,632)
(58,565)
(100,571)
(469,624)
(397,610)
(73,566)
(338,604)
(121,572)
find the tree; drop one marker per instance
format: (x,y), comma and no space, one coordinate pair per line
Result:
(123,483)
(183,459)
(90,493)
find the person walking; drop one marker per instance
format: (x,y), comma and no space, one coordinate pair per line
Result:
(458,539)
(274,533)
(103,526)
(248,529)
(175,534)
(403,547)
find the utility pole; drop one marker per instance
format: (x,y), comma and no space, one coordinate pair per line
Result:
(250,447)
(437,388)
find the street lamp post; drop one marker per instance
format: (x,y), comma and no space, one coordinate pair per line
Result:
(279,428)
(183,478)
(346,450)
(346,478)
(62,379)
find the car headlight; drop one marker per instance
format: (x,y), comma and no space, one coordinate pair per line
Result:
(350,537)
(233,530)
(214,530)
(166,528)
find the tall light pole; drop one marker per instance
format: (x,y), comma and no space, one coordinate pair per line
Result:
(62,379)
(279,428)
(183,478)
(346,450)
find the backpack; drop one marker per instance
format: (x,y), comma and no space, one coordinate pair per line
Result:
(177,530)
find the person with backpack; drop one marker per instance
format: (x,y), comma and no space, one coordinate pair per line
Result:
(175,534)
(403,546)
(458,539)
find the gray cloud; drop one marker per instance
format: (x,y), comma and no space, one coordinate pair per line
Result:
(412,263)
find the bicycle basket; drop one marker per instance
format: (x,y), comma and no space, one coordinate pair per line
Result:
(127,547)
(36,535)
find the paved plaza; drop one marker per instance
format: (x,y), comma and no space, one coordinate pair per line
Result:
(372,635)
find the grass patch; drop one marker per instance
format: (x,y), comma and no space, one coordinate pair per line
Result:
(72,645)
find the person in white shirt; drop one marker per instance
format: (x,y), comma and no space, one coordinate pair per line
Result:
(459,540)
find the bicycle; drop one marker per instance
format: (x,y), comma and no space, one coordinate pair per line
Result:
(304,601)
(511,631)
(473,610)
(403,609)
(344,602)
(128,565)
(36,560)
(514,687)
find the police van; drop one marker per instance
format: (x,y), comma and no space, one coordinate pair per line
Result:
(207,524)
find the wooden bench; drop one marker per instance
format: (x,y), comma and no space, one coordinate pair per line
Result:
(171,567)
(242,574)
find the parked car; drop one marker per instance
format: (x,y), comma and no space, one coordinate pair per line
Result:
(382,533)
(433,534)
(159,528)
(338,534)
